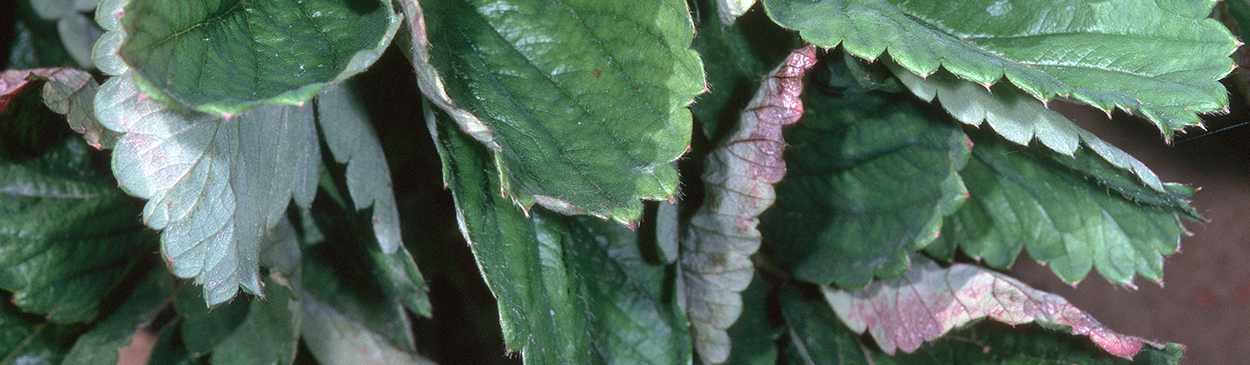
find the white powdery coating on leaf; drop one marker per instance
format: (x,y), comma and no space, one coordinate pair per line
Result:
(715,258)
(929,301)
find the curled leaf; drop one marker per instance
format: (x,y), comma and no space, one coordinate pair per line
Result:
(715,258)
(215,186)
(930,301)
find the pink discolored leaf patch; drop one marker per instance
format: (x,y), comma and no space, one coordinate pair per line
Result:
(929,300)
(715,258)
(67,91)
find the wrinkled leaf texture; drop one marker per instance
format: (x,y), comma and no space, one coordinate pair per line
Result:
(586,101)
(870,180)
(1072,213)
(1105,54)
(569,289)
(67,233)
(225,57)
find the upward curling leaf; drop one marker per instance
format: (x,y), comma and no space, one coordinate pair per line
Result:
(1103,53)
(228,56)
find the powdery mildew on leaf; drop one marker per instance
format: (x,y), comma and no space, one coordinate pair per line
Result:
(715,258)
(929,300)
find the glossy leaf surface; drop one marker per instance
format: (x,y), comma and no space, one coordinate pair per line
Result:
(870,180)
(1072,214)
(1106,54)
(225,57)
(586,101)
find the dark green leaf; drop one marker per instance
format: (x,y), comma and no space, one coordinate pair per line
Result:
(67,234)
(815,334)
(1110,56)
(202,327)
(26,339)
(754,335)
(225,57)
(168,350)
(100,344)
(585,102)
(349,287)
(270,332)
(570,290)
(1071,213)
(336,339)
(870,179)
(736,57)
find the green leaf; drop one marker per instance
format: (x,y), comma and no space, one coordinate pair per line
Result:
(870,180)
(352,140)
(229,56)
(569,289)
(67,234)
(929,301)
(1071,213)
(816,337)
(1017,117)
(1110,56)
(336,339)
(350,289)
(737,57)
(250,330)
(270,332)
(25,339)
(100,344)
(586,101)
(722,235)
(214,186)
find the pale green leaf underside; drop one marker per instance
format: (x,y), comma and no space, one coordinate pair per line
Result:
(930,300)
(586,100)
(1017,117)
(352,140)
(1159,59)
(228,56)
(214,186)
(99,345)
(1068,221)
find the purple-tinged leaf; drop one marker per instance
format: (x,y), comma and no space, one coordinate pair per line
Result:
(930,301)
(715,259)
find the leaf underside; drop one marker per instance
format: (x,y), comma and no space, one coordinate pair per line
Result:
(929,301)
(584,132)
(228,56)
(722,235)
(815,336)
(1105,54)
